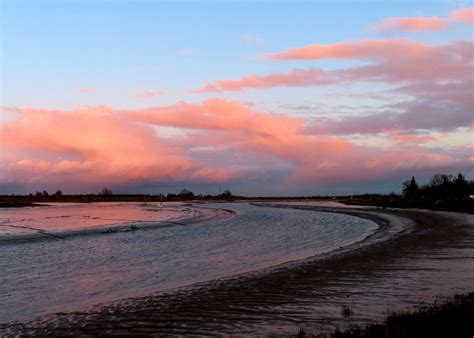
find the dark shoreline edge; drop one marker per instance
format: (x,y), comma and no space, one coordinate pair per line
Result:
(20,204)
(452,318)
(163,313)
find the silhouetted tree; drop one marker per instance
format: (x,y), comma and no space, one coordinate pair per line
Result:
(58,193)
(105,192)
(461,187)
(226,193)
(186,193)
(45,193)
(411,189)
(444,192)
(440,180)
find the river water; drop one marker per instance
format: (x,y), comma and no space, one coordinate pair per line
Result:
(70,257)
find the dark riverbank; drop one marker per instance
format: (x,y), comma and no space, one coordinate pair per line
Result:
(19,204)
(397,270)
(450,319)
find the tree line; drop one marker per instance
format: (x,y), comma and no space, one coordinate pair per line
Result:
(443,192)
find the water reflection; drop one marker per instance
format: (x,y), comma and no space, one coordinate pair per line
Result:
(74,274)
(73,216)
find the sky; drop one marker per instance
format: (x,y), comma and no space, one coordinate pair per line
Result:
(265,98)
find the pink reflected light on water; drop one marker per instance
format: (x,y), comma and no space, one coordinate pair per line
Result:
(74,216)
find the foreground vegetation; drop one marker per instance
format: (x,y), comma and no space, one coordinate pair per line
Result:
(454,318)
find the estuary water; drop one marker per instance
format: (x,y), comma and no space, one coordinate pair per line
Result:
(70,257)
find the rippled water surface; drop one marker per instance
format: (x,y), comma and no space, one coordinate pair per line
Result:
(73,273)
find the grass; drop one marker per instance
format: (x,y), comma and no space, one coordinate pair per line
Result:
(346,311)
(454,318)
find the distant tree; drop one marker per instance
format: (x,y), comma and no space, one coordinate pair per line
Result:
(470,188)
(443,192)
(226,193)
(440,179)
(45,193)
(170,195)
(442,187)
(186,193)
(461,186)
(38,194)
(105,192)
(58,193)
(460,180)
(411,189)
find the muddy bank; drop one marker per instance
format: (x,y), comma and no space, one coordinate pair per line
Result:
(398,267)
(18,204)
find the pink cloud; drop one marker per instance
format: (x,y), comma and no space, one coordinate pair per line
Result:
(100,144)
(412,24)
(411,139)
(217,114)
(298,77)
(229,125)
(437,80)
(464,15)
(363,50)
(149,94)
(390,61)
(434,107)
(368,165)
(93,144)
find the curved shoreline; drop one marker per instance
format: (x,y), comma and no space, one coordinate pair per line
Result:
(250,304)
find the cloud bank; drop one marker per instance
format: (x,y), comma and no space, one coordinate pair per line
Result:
(95,145)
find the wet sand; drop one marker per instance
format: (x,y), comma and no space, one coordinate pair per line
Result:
(396,268)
